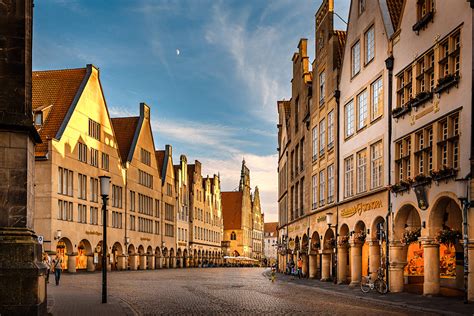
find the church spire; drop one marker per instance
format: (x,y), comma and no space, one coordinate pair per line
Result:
(244,176)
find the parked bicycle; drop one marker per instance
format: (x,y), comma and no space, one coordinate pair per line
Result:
(379,284)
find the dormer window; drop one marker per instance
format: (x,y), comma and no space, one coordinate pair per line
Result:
(39,118)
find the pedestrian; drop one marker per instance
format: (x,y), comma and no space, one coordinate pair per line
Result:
(300,267)
(47,262)
(57,268)
(273,274)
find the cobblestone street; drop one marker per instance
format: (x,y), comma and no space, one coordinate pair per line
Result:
(232,291)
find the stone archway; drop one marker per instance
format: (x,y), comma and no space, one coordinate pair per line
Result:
(132,257)
(315,246)
(406,253)
(150,258)
(327,249)
(359,254)
(64,250)
(158,262)
(84,259)
(179,258)
(141,258)
(443,252)
(118,259)
(172,259)
(343,254)
(165,258)
(304,255)
(376,241)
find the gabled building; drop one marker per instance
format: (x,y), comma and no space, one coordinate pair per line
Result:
(78,145)
(243,219)
(142,191)
(182,211)
(270,242)
(432,149)
(206,222)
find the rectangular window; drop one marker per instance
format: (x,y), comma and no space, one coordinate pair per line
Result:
(322,85)
(82,185)
(94,215)
(349,118)
(65,181)
(369,45)
(157,208)
(169,212)
(331,184)
(169,230)
(349,176)
(330,129)
(314,191)
(376,164)
(145,179)
(315,143)
(145,156)
(82,152)
(377,98)
(322,136)
(132,201)
(94,129)
(169,189)
(38,118)
(65,211)
(145,204)
(81,213)
(362,110)
(116,196)
(355,58)
(322,187)
(94,187)
(157,228)
(105,161)
(362,171)
(94,157)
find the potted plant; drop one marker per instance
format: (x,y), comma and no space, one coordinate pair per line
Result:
(411,236)
(331,243)
(421,179)
(401,186)
(448,236)
(421,98)
(343,240)
(444,173)
(446,82)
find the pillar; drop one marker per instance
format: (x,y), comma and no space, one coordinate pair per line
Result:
(173,262)
(181,262)
(132,261)
(431,267)
(326,266)
(23,275)
(470,278)
(121,262)
(90,262)
(71,262)
(142,259)
(398,261)
(166,262)
(342,264)
(158,262)
(374,258)
(305,265)
(150,261)
(356,264)
(313,266)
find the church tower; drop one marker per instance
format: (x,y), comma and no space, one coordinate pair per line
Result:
(244,178)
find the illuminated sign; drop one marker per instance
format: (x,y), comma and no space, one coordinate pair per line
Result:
(361,208)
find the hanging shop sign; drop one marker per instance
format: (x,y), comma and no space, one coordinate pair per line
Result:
(291,244)
(361,208)
(321,219)
(420,193)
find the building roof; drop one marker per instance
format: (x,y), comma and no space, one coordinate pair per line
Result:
(232,209)
(395,8)
(270,227)
(160,158)
(341,43)
(124,129)
(56,88)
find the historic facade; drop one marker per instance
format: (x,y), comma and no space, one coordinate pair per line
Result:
(243,220)
(391,172)
(149,217)
(270,242)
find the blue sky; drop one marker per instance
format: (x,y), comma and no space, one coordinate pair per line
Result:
(215,101)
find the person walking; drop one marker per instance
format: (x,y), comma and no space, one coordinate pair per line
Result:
(300,267)
(47,262)
(57,268)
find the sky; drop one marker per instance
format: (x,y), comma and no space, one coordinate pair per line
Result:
(211,71)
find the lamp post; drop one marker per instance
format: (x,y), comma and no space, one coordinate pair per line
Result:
(104,192)
(330,225)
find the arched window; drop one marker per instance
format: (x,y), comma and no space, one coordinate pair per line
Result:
(233,236)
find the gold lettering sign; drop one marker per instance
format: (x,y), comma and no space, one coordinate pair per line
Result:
(91,232)
(321,219)
(360,208)
(145,238)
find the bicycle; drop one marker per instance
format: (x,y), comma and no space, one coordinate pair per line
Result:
(379,284)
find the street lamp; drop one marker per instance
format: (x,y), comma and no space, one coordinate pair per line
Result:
(330,224)
(104,192)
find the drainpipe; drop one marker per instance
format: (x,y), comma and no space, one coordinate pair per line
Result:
(337,95)
(389,65)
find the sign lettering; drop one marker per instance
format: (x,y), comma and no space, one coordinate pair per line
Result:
(361,208)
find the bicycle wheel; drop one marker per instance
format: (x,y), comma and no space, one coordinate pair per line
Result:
(364,285)
(381,286)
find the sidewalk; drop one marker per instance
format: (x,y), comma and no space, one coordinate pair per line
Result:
(70,300)
(439,305)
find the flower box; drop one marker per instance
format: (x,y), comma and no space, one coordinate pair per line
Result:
(423,21)
(360,236)
(446,82)
(421,98)
(411,236)
(443,174)
(401,110)
(421,179)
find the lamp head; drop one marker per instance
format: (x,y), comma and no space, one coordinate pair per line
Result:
(104,185)
(329,218)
